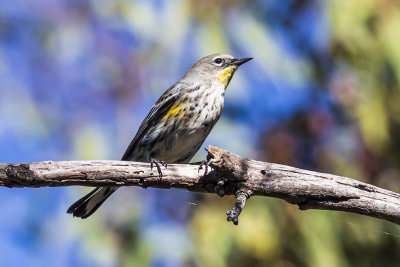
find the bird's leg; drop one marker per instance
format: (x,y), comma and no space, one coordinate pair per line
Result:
(157,164)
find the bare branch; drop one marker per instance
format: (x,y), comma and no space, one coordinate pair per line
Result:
(230,175)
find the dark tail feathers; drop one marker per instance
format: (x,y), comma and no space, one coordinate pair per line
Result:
(88,204)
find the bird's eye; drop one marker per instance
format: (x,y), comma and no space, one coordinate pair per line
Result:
(218,60)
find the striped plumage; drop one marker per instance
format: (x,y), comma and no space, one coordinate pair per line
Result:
(177,124)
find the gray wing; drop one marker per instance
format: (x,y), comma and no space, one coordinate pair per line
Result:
(160,108)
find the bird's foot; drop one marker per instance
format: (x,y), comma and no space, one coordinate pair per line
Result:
(205,164)
(157,164)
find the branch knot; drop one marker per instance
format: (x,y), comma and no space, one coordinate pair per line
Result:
(233,214)
(20,173)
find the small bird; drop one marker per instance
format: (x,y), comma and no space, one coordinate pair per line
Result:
(177,124)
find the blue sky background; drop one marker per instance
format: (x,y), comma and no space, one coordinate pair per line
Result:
(78,77)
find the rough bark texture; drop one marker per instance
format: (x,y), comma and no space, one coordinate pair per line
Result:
(230,175)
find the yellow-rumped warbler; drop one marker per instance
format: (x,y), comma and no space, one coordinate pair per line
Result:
(177,124)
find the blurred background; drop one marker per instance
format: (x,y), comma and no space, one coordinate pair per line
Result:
(322,93)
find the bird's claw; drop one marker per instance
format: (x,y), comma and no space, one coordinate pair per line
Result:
(163,163)
(205,164)
(157,164)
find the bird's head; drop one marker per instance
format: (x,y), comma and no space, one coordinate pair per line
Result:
(216,67)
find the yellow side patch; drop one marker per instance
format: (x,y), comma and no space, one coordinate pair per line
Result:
(225,75)
(175,109)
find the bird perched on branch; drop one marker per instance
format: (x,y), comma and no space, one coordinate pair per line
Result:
(177,124)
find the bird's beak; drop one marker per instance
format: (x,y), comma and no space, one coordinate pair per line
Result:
(238,62)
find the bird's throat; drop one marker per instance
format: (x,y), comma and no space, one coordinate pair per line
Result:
(225,75)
